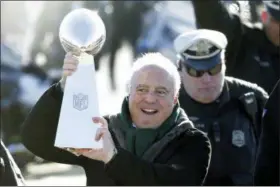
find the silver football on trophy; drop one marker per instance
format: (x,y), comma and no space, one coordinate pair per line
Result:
(82,30)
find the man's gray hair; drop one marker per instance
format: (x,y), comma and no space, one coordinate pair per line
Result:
(158,60)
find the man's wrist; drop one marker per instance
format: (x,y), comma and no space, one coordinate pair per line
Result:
(111,156)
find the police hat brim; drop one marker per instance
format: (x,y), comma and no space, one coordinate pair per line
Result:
(273,10)
(203,64)
(185,40)
(274,13)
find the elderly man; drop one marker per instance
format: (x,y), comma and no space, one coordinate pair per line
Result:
(229,110)
(253,50)
(150,142)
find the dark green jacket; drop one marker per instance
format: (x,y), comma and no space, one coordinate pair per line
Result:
(249,54)
(178,156)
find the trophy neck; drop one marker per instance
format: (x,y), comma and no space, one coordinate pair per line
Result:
(85,58)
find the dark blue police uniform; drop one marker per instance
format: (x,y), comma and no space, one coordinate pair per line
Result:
(232,121)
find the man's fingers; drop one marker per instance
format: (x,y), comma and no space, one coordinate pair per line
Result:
(70,65)
(67,73)
(100,120)
(81,151)
(89,152)
(73,151)
(100,133)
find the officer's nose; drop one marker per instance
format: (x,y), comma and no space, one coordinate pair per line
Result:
(206,78)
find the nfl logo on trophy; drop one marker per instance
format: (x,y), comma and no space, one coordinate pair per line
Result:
(80,101)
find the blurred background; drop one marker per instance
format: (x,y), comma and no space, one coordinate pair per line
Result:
(32,57)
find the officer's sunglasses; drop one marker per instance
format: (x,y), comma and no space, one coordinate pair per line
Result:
(199,73)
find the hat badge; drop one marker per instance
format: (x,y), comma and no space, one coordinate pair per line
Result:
(202,48)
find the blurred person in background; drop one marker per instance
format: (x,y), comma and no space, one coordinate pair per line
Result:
(105,11)
(18,85)
(12,114)
(13,23)
(19,82)
(126,25)
(253,50)
(254,10)
(149,142)
(46,30)
(47,40)
(267,165)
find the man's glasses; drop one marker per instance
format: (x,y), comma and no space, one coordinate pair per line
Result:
(199,73)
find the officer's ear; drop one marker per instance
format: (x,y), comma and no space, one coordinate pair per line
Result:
(264,16)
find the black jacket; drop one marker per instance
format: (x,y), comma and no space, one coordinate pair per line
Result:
(267,165)
(184,161)
(249,54)
(10,174)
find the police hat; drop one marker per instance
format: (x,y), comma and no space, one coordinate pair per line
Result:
(273,8)
(201,49)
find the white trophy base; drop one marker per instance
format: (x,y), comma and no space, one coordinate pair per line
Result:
(80,104)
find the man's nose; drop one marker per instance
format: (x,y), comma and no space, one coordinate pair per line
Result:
(150,97)
(206,78)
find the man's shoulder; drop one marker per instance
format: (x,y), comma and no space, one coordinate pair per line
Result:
(239,86)
(194,138)
(188,129)
(253,33)
(113,119)
(197,134)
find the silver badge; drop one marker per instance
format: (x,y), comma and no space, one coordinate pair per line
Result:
(80,101)
(238,138)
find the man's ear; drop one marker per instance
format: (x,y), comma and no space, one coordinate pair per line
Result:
(176,98)
(264,16)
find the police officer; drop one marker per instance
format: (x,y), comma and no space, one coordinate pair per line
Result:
(227,109)
(267,165)
(253,50)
